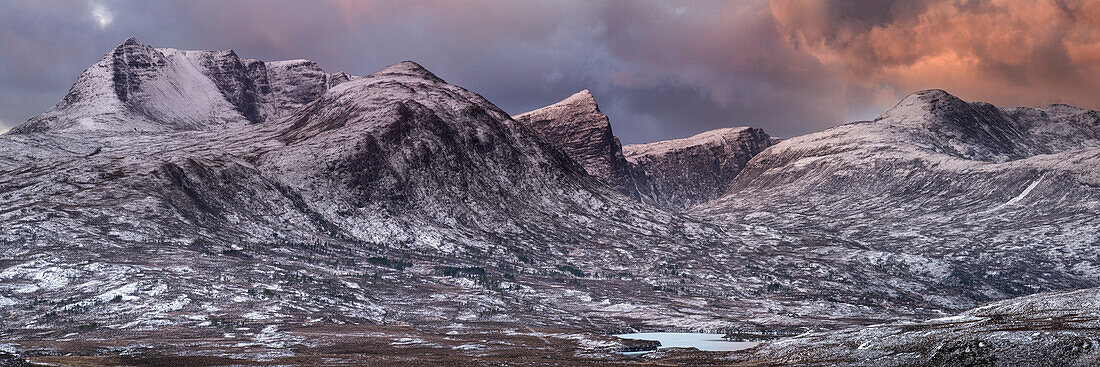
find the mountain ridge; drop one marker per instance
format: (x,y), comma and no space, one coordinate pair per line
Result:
(397,198)
(136,87)
(908,182)
(690,171)
(673,174)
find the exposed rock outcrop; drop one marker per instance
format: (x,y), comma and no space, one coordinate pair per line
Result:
(578,127)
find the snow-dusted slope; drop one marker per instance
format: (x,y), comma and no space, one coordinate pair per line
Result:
(937,121)
(403,141)
(400,198)
(387,188)
(1005,199)
(577,126)
(689,171)
(136,87)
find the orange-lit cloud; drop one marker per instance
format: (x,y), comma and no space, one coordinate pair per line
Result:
(1002,51)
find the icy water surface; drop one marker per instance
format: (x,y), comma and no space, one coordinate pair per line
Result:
(700,341)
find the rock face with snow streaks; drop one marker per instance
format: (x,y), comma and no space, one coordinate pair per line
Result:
(689,171)
(136,87)
(577,126)
(675,174)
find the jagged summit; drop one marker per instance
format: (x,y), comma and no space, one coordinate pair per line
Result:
(136,87)
(577,125)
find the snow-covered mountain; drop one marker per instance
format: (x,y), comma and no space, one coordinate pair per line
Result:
(138,87)
(222,198)
(689,171)
(385,188)
(1005,198)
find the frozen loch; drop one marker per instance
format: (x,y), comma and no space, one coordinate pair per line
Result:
(700,341)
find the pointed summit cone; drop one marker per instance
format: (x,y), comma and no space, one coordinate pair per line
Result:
(578,127)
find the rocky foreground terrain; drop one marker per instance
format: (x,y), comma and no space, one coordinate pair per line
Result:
(196,208)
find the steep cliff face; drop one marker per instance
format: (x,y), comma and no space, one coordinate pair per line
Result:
(243,89)
(136,87)
(576,126)
(674,174)
(295,83)
(686,172)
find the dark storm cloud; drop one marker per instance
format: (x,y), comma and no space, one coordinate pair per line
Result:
(660,69)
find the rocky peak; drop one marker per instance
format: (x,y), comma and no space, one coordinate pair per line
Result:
(136,87)
(576,126)
(395,142)
(939,121)
(928,105)
(580,104)
(130,58)
(582,100)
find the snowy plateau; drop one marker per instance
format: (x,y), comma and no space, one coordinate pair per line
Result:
(198,208)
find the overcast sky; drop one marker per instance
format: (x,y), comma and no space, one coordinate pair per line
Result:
(659,69)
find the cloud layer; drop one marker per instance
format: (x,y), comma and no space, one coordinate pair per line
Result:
(660,69)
